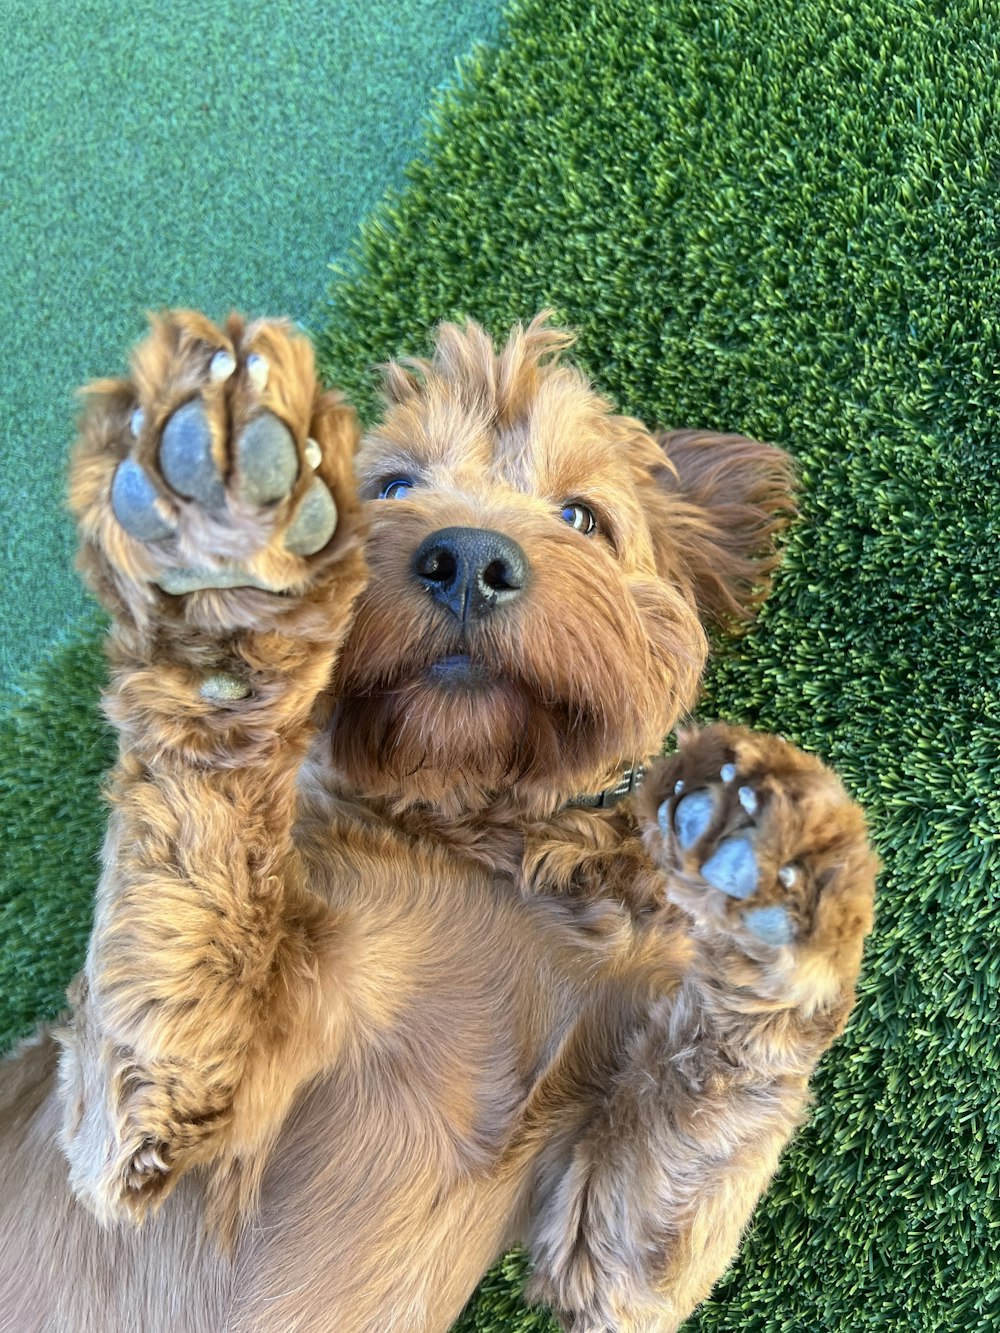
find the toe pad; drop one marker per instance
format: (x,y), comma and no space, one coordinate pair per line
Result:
(315,522)
(186,456)
(692,816)
(133,499)
(267,461)
(732,868)
(773,925)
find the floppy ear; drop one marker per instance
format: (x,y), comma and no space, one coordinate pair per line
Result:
(716,504)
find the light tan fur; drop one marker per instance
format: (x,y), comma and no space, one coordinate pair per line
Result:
(368,997)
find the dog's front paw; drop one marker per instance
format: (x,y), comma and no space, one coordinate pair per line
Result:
(129,1132)
(762,846)
(218,465)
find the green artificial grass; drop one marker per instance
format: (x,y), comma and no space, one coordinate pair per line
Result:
(209,155)
(54,750)
(775,217)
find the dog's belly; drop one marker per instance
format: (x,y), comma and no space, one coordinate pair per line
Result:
(401,1174)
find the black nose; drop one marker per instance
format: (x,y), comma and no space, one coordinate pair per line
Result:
(471,571)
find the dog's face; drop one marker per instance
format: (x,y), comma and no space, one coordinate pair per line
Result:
(539,577)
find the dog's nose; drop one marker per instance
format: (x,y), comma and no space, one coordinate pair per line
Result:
(471,571)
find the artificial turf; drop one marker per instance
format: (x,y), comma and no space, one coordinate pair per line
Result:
(776,216)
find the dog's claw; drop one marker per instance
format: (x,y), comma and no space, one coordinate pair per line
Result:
(258,370)
(133,500)
(267,460)
(314,454)
(137,421)
(186,456)
(315,522)
(221,366)
(748,800)
(728,773)
(732,868)
(692,817)
(788,877)
(146,1162)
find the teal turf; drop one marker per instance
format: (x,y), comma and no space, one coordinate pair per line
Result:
(212,155)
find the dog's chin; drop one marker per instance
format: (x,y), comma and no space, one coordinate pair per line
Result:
(458,671)
(455,734)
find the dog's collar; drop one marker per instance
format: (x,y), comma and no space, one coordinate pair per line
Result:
(627,782)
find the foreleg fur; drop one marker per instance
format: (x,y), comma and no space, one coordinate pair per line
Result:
(203,929)
(642,1209)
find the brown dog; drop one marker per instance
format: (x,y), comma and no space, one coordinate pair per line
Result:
(378,983)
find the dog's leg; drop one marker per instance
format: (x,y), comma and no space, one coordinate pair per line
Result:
(769,859)
(218,522)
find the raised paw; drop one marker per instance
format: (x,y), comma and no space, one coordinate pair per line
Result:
(761,843)
(219,465)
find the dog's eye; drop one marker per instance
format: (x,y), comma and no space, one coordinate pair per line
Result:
(580,517)
(396,489)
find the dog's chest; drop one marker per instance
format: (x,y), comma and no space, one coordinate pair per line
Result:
(473,986)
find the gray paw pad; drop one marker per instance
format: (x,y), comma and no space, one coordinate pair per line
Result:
(177,582)
(732,868)
(692,817)
(315,522)
(186,456)
(267,460)
(133,499)
(773,925)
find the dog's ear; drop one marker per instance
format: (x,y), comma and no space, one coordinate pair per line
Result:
(716,503)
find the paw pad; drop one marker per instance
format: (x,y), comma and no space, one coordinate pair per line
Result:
(692,816)
(315,522)
(261,470)
(223,686)
(186,457)
(773,925)
(732,868)
(267,460)
(133,499)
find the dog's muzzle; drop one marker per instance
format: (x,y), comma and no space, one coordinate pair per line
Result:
(471,571)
